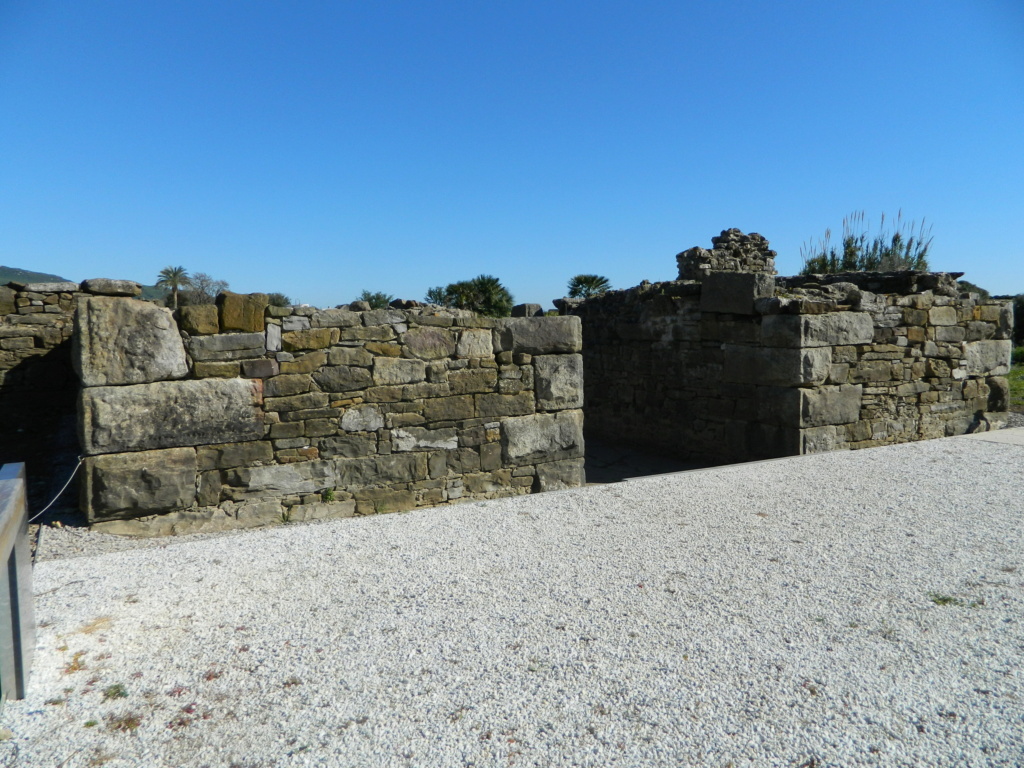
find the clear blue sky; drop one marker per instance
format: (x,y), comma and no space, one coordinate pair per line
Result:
(320,148)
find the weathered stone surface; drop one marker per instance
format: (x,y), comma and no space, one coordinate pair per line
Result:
(542,437)
(831,328)
(538,335)
(830,405)
(295,323)
(57,287)
(472,380)
(362,418)
(556,475)
(498,405)
(228,455)
(342,378)
(274,342)
(315,338)
(349,356)
(282,479)
(776,366)
(335,318)
(124,485)
(287,384)
(381,470)
(125,341)
(942,316)
(102,286)
(558,381)
(420,439)
(475,342)
(348,446)
(227,346)
(454,408)
(216,369)
(169,414)
(390,370)
(296,402)
(382,501)
(198,319)
(7,303)
(988,358)
(527,310)
(735,292)
(304,513)
(306,363)
(820,439)
(427,343)
(242,311)
(383,317)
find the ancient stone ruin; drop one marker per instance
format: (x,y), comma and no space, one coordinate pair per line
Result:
(245,414)
(731,363)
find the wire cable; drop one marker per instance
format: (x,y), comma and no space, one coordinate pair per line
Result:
(73,473)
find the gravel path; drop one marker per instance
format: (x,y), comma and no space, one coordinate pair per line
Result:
(840,609)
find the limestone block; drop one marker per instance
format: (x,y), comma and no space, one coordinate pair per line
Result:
(242,311)
(103,286)
(538,335)
(198,319)
(472,380)
(227,455)
(556,475)
(61,287)
(169,414)
(287,384)
(735,292)
(334,318)
(354,474)
(830,405)
(315,338)
(429,343)
(283,479)
(421,439)
(348,446)
(227,346)
(383,317)
(274,343)
(124,485)
(349,356)
(998,394)
(558,381)
(988,358)
(527,310)
(542,437)
(393,370)
(942,316)
(819,439)
(126,341)
(342,378)
(776,366)
(456,408)
(831,328)
(475,342)
(295,323)
(306,363)
(498,405)
(362,418)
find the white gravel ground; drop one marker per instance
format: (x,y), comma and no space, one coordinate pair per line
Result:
(841,609)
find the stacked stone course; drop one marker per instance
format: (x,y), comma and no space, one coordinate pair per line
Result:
(247,414)
(731,363)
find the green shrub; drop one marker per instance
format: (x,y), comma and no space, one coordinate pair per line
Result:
(1018,355)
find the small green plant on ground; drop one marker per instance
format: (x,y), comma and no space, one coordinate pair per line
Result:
(115,691)
(901,249)
(125,723)
(939,599)
(328,495)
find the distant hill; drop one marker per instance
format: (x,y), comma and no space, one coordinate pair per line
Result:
(15,275)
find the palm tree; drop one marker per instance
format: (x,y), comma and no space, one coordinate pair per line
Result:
(484,295)
(585,286)
(173,279)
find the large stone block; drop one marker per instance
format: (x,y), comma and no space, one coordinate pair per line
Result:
(354,474)
(456,408)
(393,370)
(490,406)
(284,479)
(472,380)
(427,343)
(538,335)
(735,292)
(242,311)
(125,485)
(831,328)
(125,341)
(169,414)
(421,439)
(556,475)
(830,405)
(315,338)
(103,286)
(543,437)
(228,346)
(776,366)
(558,381)
(475,342)
(988,358)
(342,378)
(199,319)
(362,418)
(228,455)
(56,287)
(335,318)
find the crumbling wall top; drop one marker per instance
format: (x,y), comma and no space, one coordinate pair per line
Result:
(732,251)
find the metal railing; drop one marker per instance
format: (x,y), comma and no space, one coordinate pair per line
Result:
(17,623)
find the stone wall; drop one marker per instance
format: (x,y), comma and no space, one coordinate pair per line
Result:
(247,414)
(37,384)
(732,363)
